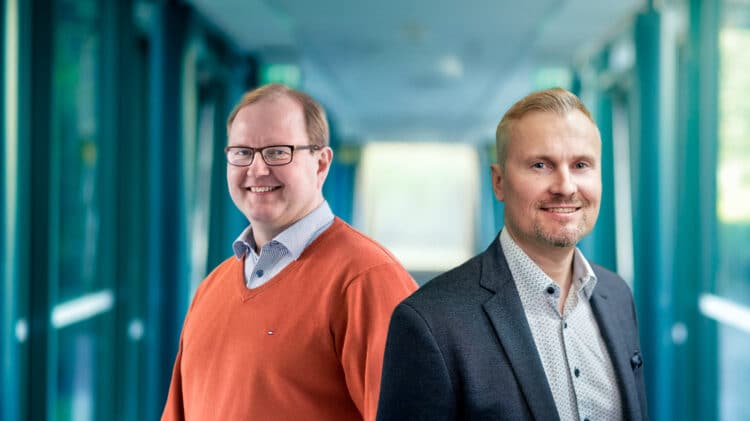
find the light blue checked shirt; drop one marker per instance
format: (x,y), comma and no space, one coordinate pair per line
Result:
(281,250)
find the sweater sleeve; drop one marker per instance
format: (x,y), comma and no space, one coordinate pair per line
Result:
(174,409)
(369,301)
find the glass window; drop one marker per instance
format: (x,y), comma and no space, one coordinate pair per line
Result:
(733,177)
(14,328)
(80,343)
(733,211)
(420,201)
(76,134)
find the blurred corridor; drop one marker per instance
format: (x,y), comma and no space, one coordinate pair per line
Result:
(115,206)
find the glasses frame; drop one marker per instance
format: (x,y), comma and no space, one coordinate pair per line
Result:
(254,150)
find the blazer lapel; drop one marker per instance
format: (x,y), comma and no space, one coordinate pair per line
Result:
(508,319)
(611,329)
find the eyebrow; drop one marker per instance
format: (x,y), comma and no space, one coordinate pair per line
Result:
(576,158)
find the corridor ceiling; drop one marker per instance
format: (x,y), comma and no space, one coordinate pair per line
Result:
(435,70)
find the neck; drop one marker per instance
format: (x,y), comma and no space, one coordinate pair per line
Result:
(262,236)
(263,233)
(556,262)
(558,265)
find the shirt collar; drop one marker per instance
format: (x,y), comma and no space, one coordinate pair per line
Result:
(295,238)
(244,243)
(518,261)
(299,235)
(583,273)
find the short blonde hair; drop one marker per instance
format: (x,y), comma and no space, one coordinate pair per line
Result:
(316,123)
(555,100)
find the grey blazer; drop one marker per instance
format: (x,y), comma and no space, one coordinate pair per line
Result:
(460,348)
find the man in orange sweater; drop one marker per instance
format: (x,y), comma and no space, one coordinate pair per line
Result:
(293,326)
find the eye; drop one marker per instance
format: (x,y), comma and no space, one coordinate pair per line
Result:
(241,152)
(582,165)
(539,165)
(276,154)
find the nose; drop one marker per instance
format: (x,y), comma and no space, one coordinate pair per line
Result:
(563,183)
(258,166)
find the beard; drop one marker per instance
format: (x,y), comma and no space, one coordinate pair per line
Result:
(564,236)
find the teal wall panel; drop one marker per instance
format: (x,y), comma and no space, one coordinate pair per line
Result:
(695,384)
(39,347)
(600,245)
(653,283)
(166,241)
(340,184)
(339,188)
(15,224)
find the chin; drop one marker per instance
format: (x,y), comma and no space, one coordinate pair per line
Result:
(562,242)
(562,239)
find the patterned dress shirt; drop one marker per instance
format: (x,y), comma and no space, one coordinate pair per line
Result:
(575,359)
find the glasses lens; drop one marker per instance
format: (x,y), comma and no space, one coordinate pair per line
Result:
(277,155)
(240,156)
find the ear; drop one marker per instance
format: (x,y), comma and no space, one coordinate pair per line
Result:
(324,163)
(497,181)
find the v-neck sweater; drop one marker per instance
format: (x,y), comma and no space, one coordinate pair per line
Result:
(308,344)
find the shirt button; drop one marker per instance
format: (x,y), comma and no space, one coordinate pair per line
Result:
(259,273)
(577,372)
(565,325)
(585,419)
(636,360)
(550,290)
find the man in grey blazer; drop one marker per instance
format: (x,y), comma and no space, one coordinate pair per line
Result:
(529,329)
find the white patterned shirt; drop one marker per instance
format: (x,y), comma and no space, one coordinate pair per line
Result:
(575,359)
(283,249)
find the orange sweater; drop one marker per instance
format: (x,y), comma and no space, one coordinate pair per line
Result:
(307,345)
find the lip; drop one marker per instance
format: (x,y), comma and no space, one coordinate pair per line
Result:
(564,210)
(262,189)
(562,213)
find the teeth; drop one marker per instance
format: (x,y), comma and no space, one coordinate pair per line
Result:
(562,210)
(261,189)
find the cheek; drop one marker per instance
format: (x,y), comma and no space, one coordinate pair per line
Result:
(592,192)
(235,180)
(234,174)
(524,194)
(308,175)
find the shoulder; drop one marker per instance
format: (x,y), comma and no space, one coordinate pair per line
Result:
(610,281)
(612,287)
(221,275)
(455,288)
(347,245)
(349,257)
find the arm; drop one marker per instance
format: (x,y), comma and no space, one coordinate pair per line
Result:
(638,373)
(174,409)
(369,302)
(416,384)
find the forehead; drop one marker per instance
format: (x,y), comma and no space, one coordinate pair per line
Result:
(549,132)
(269,118)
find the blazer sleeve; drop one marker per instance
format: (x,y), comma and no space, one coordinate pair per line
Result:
(638,371)
(416,383)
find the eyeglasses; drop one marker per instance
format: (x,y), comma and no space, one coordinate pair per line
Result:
(275,155)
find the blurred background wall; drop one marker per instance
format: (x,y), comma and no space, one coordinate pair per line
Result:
(114,200)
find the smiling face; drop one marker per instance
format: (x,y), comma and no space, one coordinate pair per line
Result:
(551,183)
(274,197)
